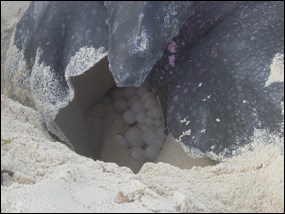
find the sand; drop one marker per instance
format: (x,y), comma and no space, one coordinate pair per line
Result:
(11,11)
(49,177)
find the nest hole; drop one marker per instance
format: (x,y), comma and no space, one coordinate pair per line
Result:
(120,125)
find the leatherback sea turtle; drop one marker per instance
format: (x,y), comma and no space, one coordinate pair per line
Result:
(209,63)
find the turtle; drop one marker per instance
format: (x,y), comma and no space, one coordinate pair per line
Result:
(209,63)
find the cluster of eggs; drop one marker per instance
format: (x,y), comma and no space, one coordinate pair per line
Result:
(141,111)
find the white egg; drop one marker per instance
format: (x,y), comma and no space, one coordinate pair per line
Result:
(149,121)
(160,134)
(137,153)
(129,92)
(120,104)
(151,152)
(155,112)
(141,118)
(147,95)
(133,100)
(142,127)
(129,116)
(149,137)
(158,142)
(141,90)
(150,103)
(117,93)
(134,137)
(138,107)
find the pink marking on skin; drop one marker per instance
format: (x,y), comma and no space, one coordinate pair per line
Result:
(172,47)
(171,60)
(213,53)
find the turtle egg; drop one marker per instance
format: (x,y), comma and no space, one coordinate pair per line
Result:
(138,107)
(137,153)
(141,118)
(149,121)
(134,137)
(129,92)
(120,104)
(158,142)
(142,127)
(160,134)
(149,103)
(129,116)
(133,100)
(146,96)
(151,152)
(155,112)
(141,90)
(149,137)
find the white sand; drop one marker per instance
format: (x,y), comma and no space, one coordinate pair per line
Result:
(11,12)
(51,178)
(48,177)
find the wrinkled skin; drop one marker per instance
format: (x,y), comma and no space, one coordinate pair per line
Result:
(218,86)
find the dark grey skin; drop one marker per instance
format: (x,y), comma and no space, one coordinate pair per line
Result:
(60,29)
(233,65)
(222,58)
(218,84)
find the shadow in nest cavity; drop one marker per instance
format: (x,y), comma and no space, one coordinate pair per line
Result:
(73,119)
